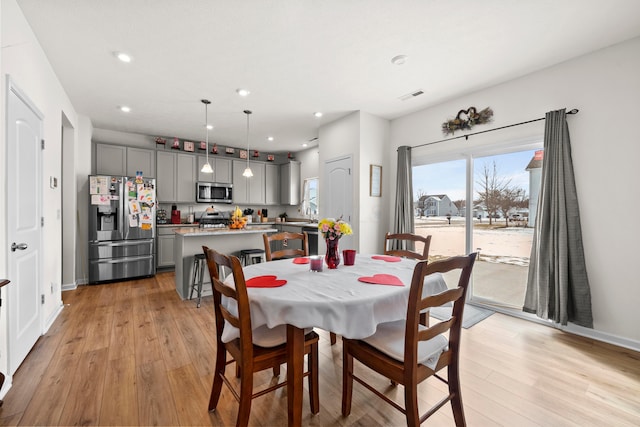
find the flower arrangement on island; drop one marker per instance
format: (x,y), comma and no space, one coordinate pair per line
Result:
(333,229)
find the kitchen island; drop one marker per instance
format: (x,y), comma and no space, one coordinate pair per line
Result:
(189,241)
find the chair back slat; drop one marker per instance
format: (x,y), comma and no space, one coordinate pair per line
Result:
(284,237)
(409,240)
(437,300)
(436,329)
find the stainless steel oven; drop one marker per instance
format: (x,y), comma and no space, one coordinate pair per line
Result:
(214,192)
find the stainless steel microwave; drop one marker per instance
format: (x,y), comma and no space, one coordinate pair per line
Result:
(214,192)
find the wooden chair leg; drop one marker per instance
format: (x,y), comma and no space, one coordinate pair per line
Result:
(276,371)
(312,362)
(347,379)
(456,397)
(333,338)
(246,391)
(411,404)
(216,388)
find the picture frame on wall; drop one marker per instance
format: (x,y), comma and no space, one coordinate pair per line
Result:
(243,154)
(189,146)
(375,180)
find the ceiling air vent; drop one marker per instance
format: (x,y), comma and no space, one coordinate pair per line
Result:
(411,95)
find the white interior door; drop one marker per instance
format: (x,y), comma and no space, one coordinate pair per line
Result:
(339,195)
(24,171)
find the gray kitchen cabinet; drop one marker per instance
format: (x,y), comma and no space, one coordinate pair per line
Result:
(111,160)
(176,182)
(221,169)
(272,184)
(290,183)
(140,159)
(248,190)
(166,238)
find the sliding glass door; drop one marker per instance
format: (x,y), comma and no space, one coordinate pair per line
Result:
(483,202)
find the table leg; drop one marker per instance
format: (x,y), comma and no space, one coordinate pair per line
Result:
(295,374)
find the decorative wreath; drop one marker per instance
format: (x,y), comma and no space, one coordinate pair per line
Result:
(466,119)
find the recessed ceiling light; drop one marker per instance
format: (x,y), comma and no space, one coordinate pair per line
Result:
(243,92)
(305,144)
(124,109)
(124,57)
(269,138)
(317,114)
(399,59)
(209,127)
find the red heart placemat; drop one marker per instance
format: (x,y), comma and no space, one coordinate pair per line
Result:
(301,260)
(387,258)
(382,279)
(264,282)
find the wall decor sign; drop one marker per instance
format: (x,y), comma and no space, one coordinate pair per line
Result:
(188,146)
(160,140)
(229,150)
(203,145)
(466,119)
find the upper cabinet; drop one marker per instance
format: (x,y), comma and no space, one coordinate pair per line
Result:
(111,160)
(140,159)
(176,183)
(272,184)
(290,183)
(124,161)
(221,170)
(248,190)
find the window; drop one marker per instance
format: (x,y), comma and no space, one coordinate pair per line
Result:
(310,198)
(486,193)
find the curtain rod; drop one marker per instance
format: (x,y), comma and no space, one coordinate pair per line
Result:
(574,111)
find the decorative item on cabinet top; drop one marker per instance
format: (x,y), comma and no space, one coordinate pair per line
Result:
(191,147)
(188,146)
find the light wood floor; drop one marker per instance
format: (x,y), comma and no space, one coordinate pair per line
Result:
(133,353)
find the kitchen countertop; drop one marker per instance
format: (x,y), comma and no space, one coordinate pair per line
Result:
(196,232)
(176,225)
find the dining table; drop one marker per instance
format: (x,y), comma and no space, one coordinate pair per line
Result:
(351,300)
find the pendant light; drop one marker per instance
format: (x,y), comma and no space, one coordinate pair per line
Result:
(207,166)
(247,172)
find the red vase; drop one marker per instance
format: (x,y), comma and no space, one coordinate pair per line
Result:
(332,257)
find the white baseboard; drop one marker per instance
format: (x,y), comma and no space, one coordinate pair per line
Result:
(52,318)
(602,336)
(570,328)
(73,286)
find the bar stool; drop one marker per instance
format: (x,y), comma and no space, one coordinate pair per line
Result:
(252,256)
(199,265)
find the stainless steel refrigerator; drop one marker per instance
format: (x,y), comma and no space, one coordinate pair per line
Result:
(121,228)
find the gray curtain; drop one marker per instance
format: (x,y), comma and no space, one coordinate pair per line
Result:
(558,287)
(403,221)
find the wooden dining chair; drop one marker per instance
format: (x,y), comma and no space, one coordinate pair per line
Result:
(252,351)
(408,353)
(284,238)
(390,239)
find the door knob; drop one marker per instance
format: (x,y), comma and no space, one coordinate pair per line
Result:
(21,246)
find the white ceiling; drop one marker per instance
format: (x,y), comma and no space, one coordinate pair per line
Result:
(301,56)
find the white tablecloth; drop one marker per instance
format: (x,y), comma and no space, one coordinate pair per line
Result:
(333,300)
